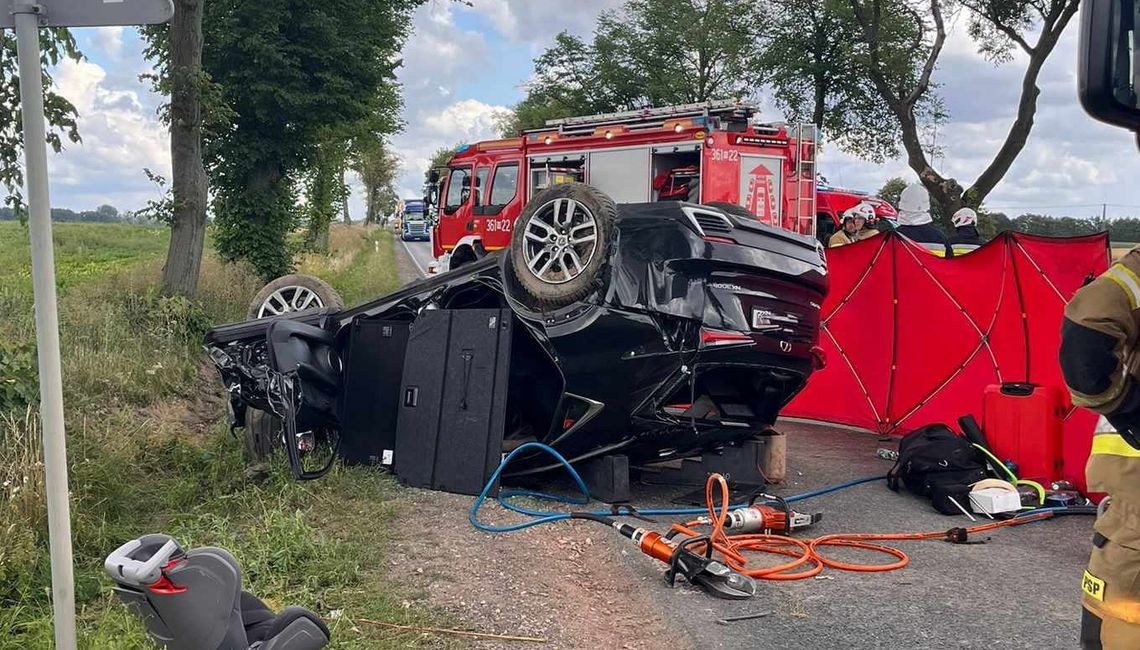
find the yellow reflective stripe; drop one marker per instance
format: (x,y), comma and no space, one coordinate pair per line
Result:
(1128,282)
(1130,273)
(1112,444)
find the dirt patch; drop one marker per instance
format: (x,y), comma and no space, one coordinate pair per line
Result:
(194,416)
(558,582)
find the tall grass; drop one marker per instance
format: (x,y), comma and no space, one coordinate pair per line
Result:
(126,353)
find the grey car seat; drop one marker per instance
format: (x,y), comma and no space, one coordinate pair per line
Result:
(193,600)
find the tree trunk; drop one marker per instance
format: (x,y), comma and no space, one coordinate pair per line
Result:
(344,202)
(370,204)
(188,232)
(321,239)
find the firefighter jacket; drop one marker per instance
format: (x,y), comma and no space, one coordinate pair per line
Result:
(1101,365)
(929,235)
(841,238)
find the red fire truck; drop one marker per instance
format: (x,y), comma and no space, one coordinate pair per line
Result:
(702,153)
(832,202)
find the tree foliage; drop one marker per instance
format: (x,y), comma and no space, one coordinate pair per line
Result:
(291,71)
(899,45)
(812,64)
(378,168)
(439,159)
(288,86)
(325,193)
(647,53)
(891,190)
(56,45)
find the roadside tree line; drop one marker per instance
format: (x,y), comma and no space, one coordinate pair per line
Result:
(990,222)
(270,101)
(276,100)
(1122,229)
(102,214)
(865,72)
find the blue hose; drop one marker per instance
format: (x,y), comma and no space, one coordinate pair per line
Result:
(539,517)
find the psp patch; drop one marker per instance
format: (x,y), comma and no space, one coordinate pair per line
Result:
(1093,586)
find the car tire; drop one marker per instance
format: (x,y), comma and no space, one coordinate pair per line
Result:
(292,293)
(262,434)
(733,209)
(560,243)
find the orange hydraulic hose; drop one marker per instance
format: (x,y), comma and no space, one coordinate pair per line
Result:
(807,552)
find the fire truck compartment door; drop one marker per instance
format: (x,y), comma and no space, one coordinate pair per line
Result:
(624,174)
(680,147)
(761,182)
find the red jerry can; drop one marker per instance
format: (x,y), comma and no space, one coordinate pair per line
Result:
(1024,423)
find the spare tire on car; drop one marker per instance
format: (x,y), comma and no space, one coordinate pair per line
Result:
(560,243)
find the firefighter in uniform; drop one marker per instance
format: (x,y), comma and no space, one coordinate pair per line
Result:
(854,226)
(1100,358)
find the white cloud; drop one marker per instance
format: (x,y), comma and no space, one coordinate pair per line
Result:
(110,40)
(461,122)
(538,21)
(121,135)
(438,55)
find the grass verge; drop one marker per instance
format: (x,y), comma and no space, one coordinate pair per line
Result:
(134,382)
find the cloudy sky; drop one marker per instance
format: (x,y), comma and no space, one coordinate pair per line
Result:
(462,65)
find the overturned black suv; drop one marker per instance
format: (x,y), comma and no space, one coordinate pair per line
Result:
(653,330)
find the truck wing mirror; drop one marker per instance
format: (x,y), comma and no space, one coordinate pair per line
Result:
(1108,59)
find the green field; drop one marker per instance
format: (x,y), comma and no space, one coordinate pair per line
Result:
(148,451)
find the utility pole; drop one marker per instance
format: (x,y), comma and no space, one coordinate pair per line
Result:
(26,17)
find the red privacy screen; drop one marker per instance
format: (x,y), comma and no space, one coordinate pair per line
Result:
(913,339)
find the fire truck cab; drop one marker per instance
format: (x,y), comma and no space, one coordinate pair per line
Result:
(701,153)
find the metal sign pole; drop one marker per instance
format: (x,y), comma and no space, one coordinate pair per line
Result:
(26,16)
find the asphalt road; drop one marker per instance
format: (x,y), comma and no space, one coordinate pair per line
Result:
(1020,588)
(420,252)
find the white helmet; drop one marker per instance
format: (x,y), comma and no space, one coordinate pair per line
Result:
(859,211)
(914,206)
(964,217)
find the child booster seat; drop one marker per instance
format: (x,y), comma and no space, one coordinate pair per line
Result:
(192,600)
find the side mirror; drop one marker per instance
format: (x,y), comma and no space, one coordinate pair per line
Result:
(1108,59)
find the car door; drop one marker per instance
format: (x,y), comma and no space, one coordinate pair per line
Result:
(501,206)
(455,213)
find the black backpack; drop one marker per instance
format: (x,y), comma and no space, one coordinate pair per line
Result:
(933,458)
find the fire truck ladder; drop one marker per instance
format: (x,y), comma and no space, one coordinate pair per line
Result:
(649,118)
(805,168)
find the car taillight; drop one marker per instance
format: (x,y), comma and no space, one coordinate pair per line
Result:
(818,358)
(720,338)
